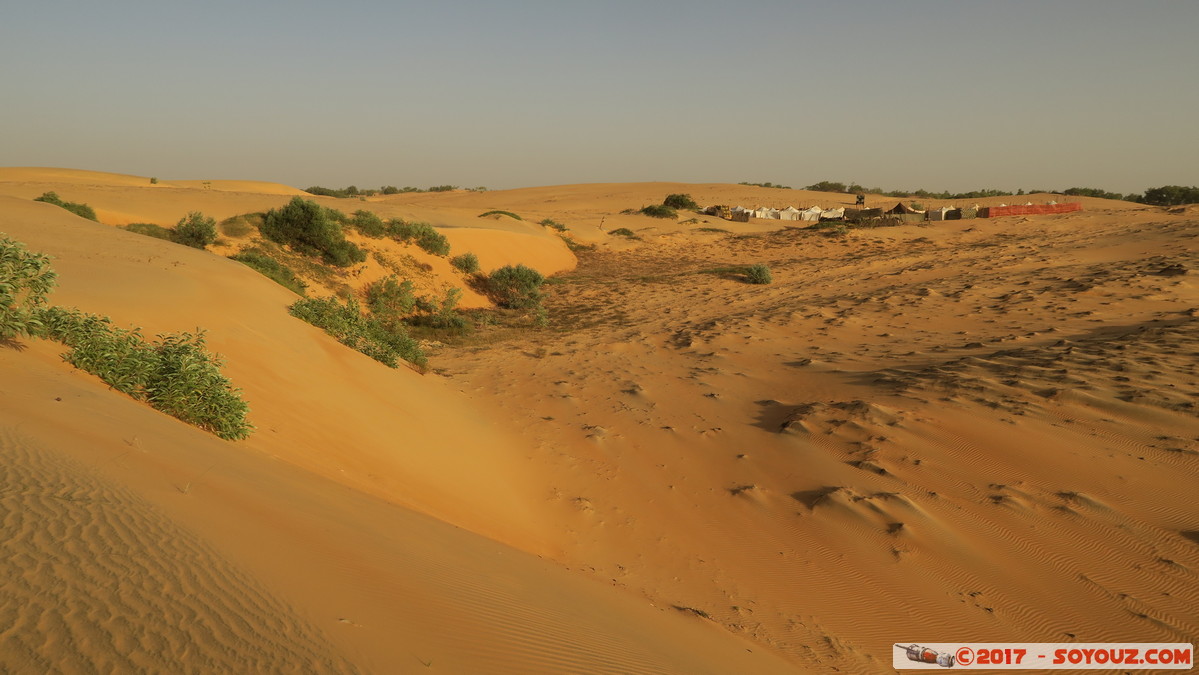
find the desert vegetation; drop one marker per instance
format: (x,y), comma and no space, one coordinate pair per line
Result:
(174,373)
(550,222)
(497,212)
(516,287)
(467,263)
(659,211)
(344,321)
(271,268)
(758,274)
(81,210)
(195,230)
(310,229)
(151,230)
(681,202)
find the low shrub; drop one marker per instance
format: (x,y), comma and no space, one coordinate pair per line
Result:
(151,230)
(384,343)
(623,232)
(516,286)
(311,229)
(81,210)
(659,211)
(195,230)
(390,299)
(680,201)
(441,314)
(467,263)
(422,234)
(175,374)
(500,213)
(26,278)
(554,224)
(758,274)
(368,224)
(270,268)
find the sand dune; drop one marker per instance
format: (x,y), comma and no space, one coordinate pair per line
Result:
(976,430)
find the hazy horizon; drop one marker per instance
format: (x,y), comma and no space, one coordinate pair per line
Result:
(936,95)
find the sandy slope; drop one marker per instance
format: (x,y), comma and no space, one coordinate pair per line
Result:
(980,430)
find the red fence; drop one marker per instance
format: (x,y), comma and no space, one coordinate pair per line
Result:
(1027,210)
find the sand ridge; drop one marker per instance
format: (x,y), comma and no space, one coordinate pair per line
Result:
(978,430)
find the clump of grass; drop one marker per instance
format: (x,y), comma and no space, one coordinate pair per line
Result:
(623,232)
(79,209)
(467,263)
(711,229)
(554,224)
(659,211)
(758,274)
(175,374)
(346,323)
(516,287)
(270,268)
(500,213)
(240,226)
(151,230)
(422,234)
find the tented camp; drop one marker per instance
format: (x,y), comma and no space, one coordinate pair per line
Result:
(789,213)
(833,214)
(902,209)
(811,214)
(739,214)
(766,213)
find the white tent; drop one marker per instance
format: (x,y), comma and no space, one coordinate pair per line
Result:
(789,213)
(939,214)
(811,214)
(833,214)
(765,212)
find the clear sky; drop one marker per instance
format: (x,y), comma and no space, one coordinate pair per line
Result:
(934,94)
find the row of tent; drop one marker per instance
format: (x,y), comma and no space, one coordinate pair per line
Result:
(900,212)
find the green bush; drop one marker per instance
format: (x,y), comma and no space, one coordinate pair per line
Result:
(623,232)
(516,286)
(311,229)
(81,210)
(151,230)
(467,263)
(680,201)
(554,224)
(369,335)
(26,278)
(175,374)
(422,234)
(195,230)
(270,268)
(500,213)
(390,299)
(441,315)
(659,211)
(368,224)
(758,274)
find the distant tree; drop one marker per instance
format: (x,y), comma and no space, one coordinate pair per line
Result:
(826,186)
(1172,195)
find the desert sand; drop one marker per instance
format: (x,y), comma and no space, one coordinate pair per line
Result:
(979,430)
